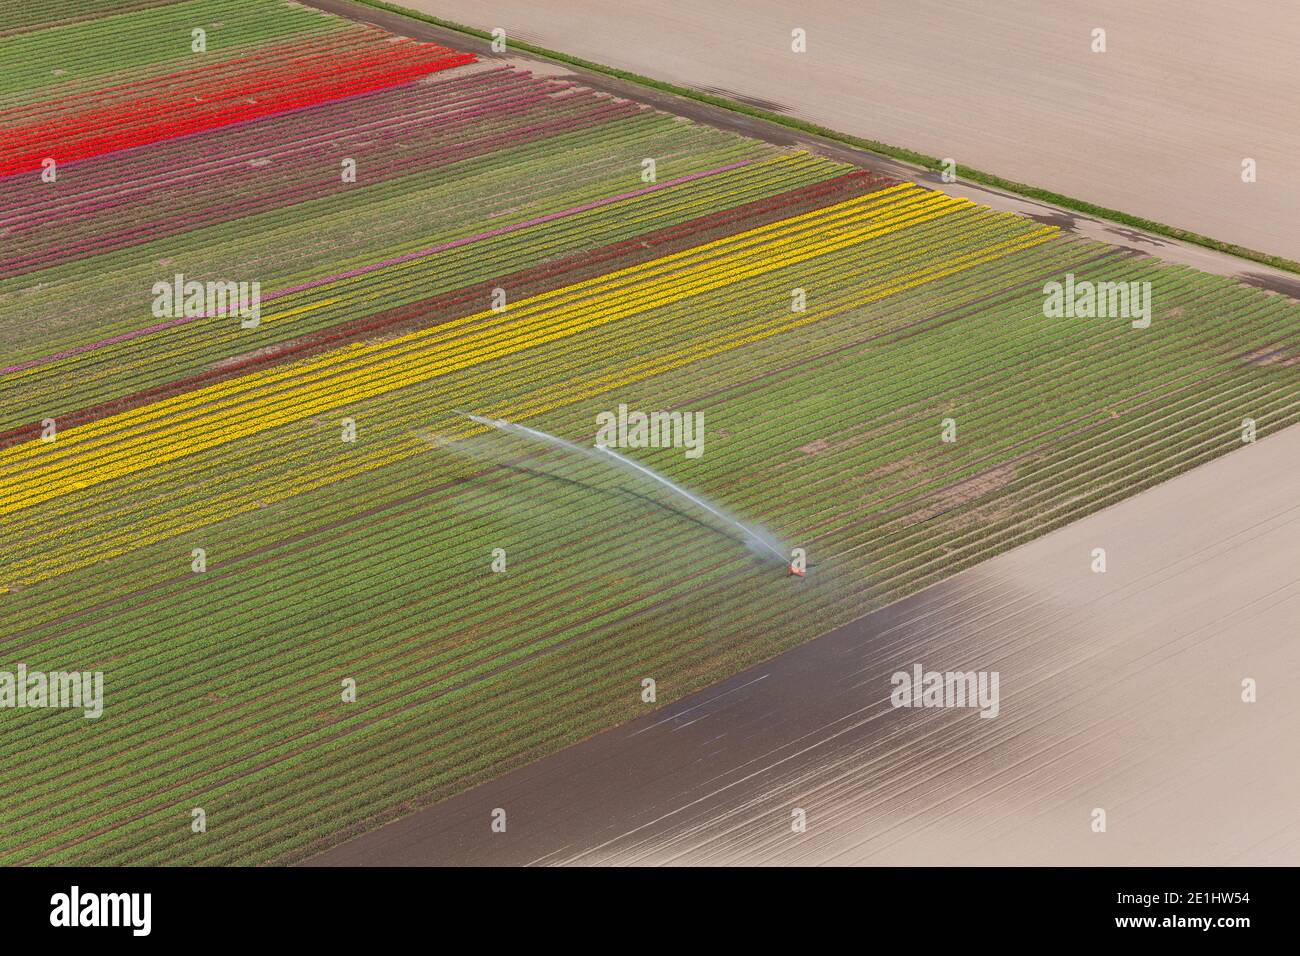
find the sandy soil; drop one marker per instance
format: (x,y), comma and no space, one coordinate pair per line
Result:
(1120,691)
(1157,126)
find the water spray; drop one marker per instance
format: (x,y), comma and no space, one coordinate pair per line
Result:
(758,540)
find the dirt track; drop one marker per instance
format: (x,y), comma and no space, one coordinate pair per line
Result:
(1119,691)
(1156,126)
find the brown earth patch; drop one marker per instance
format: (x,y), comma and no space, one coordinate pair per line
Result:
(909,464)
(963,492)
(1269,357)
(826,444)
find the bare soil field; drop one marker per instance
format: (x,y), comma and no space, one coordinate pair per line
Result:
(1157,126)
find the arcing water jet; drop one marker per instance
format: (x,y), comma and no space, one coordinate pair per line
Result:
(758,540)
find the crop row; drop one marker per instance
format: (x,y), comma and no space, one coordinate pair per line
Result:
(668,332)
(40,386)
(744,254)
(286,247)
(23,16)
(288,173)
(297,81)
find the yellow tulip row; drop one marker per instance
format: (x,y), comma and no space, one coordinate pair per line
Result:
(175,428)
(116,541)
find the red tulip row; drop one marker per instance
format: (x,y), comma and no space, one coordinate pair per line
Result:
(185,104)
(229,190)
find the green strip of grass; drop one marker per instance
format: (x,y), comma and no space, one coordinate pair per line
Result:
(883,149)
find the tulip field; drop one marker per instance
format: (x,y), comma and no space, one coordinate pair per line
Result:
(277,540)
